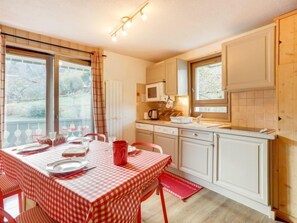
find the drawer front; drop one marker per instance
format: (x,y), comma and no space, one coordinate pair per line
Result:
(166,130)
(206,136)
(143,126)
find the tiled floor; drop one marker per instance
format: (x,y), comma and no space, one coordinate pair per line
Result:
(11,205)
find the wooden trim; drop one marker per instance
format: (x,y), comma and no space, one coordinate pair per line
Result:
(215,103)
(285,15)
(285,216)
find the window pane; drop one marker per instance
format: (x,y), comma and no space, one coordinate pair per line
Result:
(221,109)
(25,95)
(208,82)
(75,111)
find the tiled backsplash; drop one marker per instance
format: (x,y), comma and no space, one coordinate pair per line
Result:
(254,109)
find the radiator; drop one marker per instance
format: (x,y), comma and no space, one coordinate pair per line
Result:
(114,102)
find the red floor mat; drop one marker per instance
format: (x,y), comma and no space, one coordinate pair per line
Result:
(178,186)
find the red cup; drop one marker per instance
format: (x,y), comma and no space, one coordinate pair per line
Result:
(120,152)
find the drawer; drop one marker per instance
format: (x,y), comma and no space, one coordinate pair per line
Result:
(194,134)
(166,130)
(143,126)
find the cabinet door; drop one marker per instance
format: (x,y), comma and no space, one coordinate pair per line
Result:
(144,136)
(176,77)
(287,40)
(195,158)
(155,73)
(241,165)
(169,144)
(171,77)
(248,61)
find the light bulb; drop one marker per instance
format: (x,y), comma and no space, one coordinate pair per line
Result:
(128,24)
(114,38)
(143,16)
(124,32)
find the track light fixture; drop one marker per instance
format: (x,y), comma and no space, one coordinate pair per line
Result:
(126,22)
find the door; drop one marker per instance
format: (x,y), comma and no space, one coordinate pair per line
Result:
(287,124)
(195,158)
(169,144)
(241,165)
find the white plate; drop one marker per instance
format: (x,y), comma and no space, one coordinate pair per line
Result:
(78,139)
(32,147)
(131,149)
(66,165)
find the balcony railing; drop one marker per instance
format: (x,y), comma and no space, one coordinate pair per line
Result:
(22,132)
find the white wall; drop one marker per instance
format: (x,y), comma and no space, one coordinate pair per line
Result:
(129,71)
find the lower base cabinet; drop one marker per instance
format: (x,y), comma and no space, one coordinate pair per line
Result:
(195,158)
(144,136)
(241,165)
(169,144)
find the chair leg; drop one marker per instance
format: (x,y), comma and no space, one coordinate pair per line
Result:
(163,204)
(20,198)
(1,206)
(139,215)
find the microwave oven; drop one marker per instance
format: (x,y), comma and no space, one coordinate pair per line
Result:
(155,92)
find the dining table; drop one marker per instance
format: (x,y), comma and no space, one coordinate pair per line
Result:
(105,193)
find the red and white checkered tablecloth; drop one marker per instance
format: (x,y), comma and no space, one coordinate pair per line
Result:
(107,193)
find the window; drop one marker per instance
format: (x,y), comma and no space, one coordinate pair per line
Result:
(75,107)
(31,106)
(207,95)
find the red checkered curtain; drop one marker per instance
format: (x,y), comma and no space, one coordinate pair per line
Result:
(99,108)
(2,88)
(2,94)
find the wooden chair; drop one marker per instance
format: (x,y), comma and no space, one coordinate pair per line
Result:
(154,185)
(9,187)
(33,215)
(98,135)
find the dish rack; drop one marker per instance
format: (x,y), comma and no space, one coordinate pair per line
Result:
(181,119)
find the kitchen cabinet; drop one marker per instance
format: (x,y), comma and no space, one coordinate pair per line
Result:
(285,177)
(176,77)
(144,136)
(195,158)
(144,133)
(248,61)
(241,165)
(155,73)
(169,144)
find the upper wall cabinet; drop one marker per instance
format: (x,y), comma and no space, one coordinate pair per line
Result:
(155,73)
(176,77)
(248,61)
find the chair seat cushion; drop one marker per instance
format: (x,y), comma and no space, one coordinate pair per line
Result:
(8,185)
(34,215)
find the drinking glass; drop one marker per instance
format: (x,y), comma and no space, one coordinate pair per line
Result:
(65,134)
(52,136)
(111,139)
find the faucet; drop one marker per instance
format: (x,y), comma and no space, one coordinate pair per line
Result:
(198,118)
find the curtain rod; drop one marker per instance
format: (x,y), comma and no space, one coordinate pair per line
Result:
(51,44)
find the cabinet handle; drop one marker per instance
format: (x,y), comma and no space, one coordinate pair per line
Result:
(195,134)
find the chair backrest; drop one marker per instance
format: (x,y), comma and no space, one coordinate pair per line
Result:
(147,144)
(98,135)
(6,215)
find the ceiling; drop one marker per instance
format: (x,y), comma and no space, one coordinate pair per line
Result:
(172,27)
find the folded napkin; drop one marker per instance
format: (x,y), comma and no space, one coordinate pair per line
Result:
(75,151)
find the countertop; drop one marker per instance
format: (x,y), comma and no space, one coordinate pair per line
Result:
(215,127)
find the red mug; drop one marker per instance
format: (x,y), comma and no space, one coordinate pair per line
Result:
(120,152)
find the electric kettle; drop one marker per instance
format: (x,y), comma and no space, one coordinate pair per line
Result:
(153,114)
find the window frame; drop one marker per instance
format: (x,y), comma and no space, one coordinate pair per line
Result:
(52,83)
(208,103)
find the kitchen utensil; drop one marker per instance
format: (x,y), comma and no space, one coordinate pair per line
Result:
(120,152)
(153,114)
(145,116)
